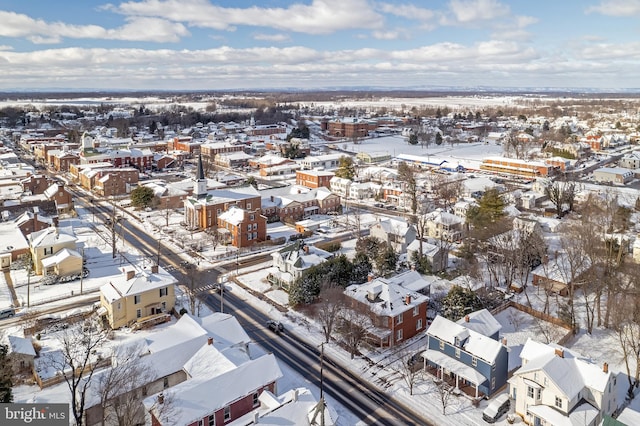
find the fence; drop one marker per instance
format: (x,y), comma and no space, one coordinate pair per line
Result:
(539,315)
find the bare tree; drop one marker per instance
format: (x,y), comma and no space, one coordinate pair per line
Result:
(409,368)
(193,284)
(353,325)
(446,190)
(444,391)
(331,303)
(119,387)
(561,193)
(76,361)
(164,408)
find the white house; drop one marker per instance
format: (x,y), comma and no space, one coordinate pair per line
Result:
(340,186)
(556,386)
(291,262)
(398,233)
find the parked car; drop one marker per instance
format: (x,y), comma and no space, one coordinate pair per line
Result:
(7,313)
(496,408)
(275,326)
(379,205)
(391,207)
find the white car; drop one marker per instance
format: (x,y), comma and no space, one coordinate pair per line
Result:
(496,408)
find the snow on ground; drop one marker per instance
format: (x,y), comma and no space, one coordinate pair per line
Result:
(468,155)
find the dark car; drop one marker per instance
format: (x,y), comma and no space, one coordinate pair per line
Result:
(275,326)
(379,205)
(391,207)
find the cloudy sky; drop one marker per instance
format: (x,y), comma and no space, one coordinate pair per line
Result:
(235,44)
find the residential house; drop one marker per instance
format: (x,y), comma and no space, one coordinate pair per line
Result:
(314,178)
(436,254)
(59,194)
(293,260)
(21,354)
(557,275)
(242,227)
(556,386)
(34,220)
(363,190)
(186,354)
(233,160)
(62,160)
(340,186)
(395,232)
(398,313)
(137,295)
(465,358)
(444,225)
(35,184)
(13,244)
(293,203)
(325,162)
(482,322)
(630,161)
(54,252)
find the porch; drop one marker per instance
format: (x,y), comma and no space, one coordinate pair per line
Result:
(460,376)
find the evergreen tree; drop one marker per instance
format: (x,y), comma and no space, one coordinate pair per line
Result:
(459,302)
(413,139)
(142,197)
(346,168)
(489,210)
(6,393)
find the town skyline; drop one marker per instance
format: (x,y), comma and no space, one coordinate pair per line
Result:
(319,44)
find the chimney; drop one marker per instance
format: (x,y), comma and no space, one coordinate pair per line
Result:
(504,341)
(560,352)
(160,398)
(605,368)
(407,299)
(272,198)
(370,277)
(256,417)
(154,269)
(306,249)
(466,318)
(210,341)
(130,274)
(295,395)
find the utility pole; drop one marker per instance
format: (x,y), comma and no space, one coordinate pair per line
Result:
(113,229)
(158,254)
(81,270)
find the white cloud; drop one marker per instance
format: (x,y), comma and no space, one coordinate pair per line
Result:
(617,8)
(388,35)
(319,17)
(279,38)
(408,11)
(473,12)
(136,29)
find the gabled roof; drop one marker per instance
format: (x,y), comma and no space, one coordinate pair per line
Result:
(481,322)
(60,257)
(142,281)
(385,298)
(570,372)
(21,345)
(51,236)
(476,344)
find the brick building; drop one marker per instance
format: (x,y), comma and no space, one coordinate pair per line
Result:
(313,178)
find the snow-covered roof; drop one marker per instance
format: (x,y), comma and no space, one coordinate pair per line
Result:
(21,345)
(60,257)
(476,344)
(482,322)
(119,286)
(11,238)
(51,236)
(569,371)
(234,215)
(385,298)
(196,398)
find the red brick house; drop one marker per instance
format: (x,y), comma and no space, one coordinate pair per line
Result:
(242,227)
(35,184)
(63,199)
(61,161)
(397,307)
(313,178)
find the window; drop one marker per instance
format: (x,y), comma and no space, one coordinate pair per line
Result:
(419,324)
(474,361)
(256,402)
(227,413)
(558,402)
(493,383)
(48,250)
(457,352)
(442,345)
(399,319)
(218,211)
(164,291)
(164,306)
(249,227)
(139,313)
(136,299)
(416,311)
(529,391)
(399,335)
(538,391)
(255,226)
(165,382)
(252,217)
(212,420)
(249,207)
(200,422)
